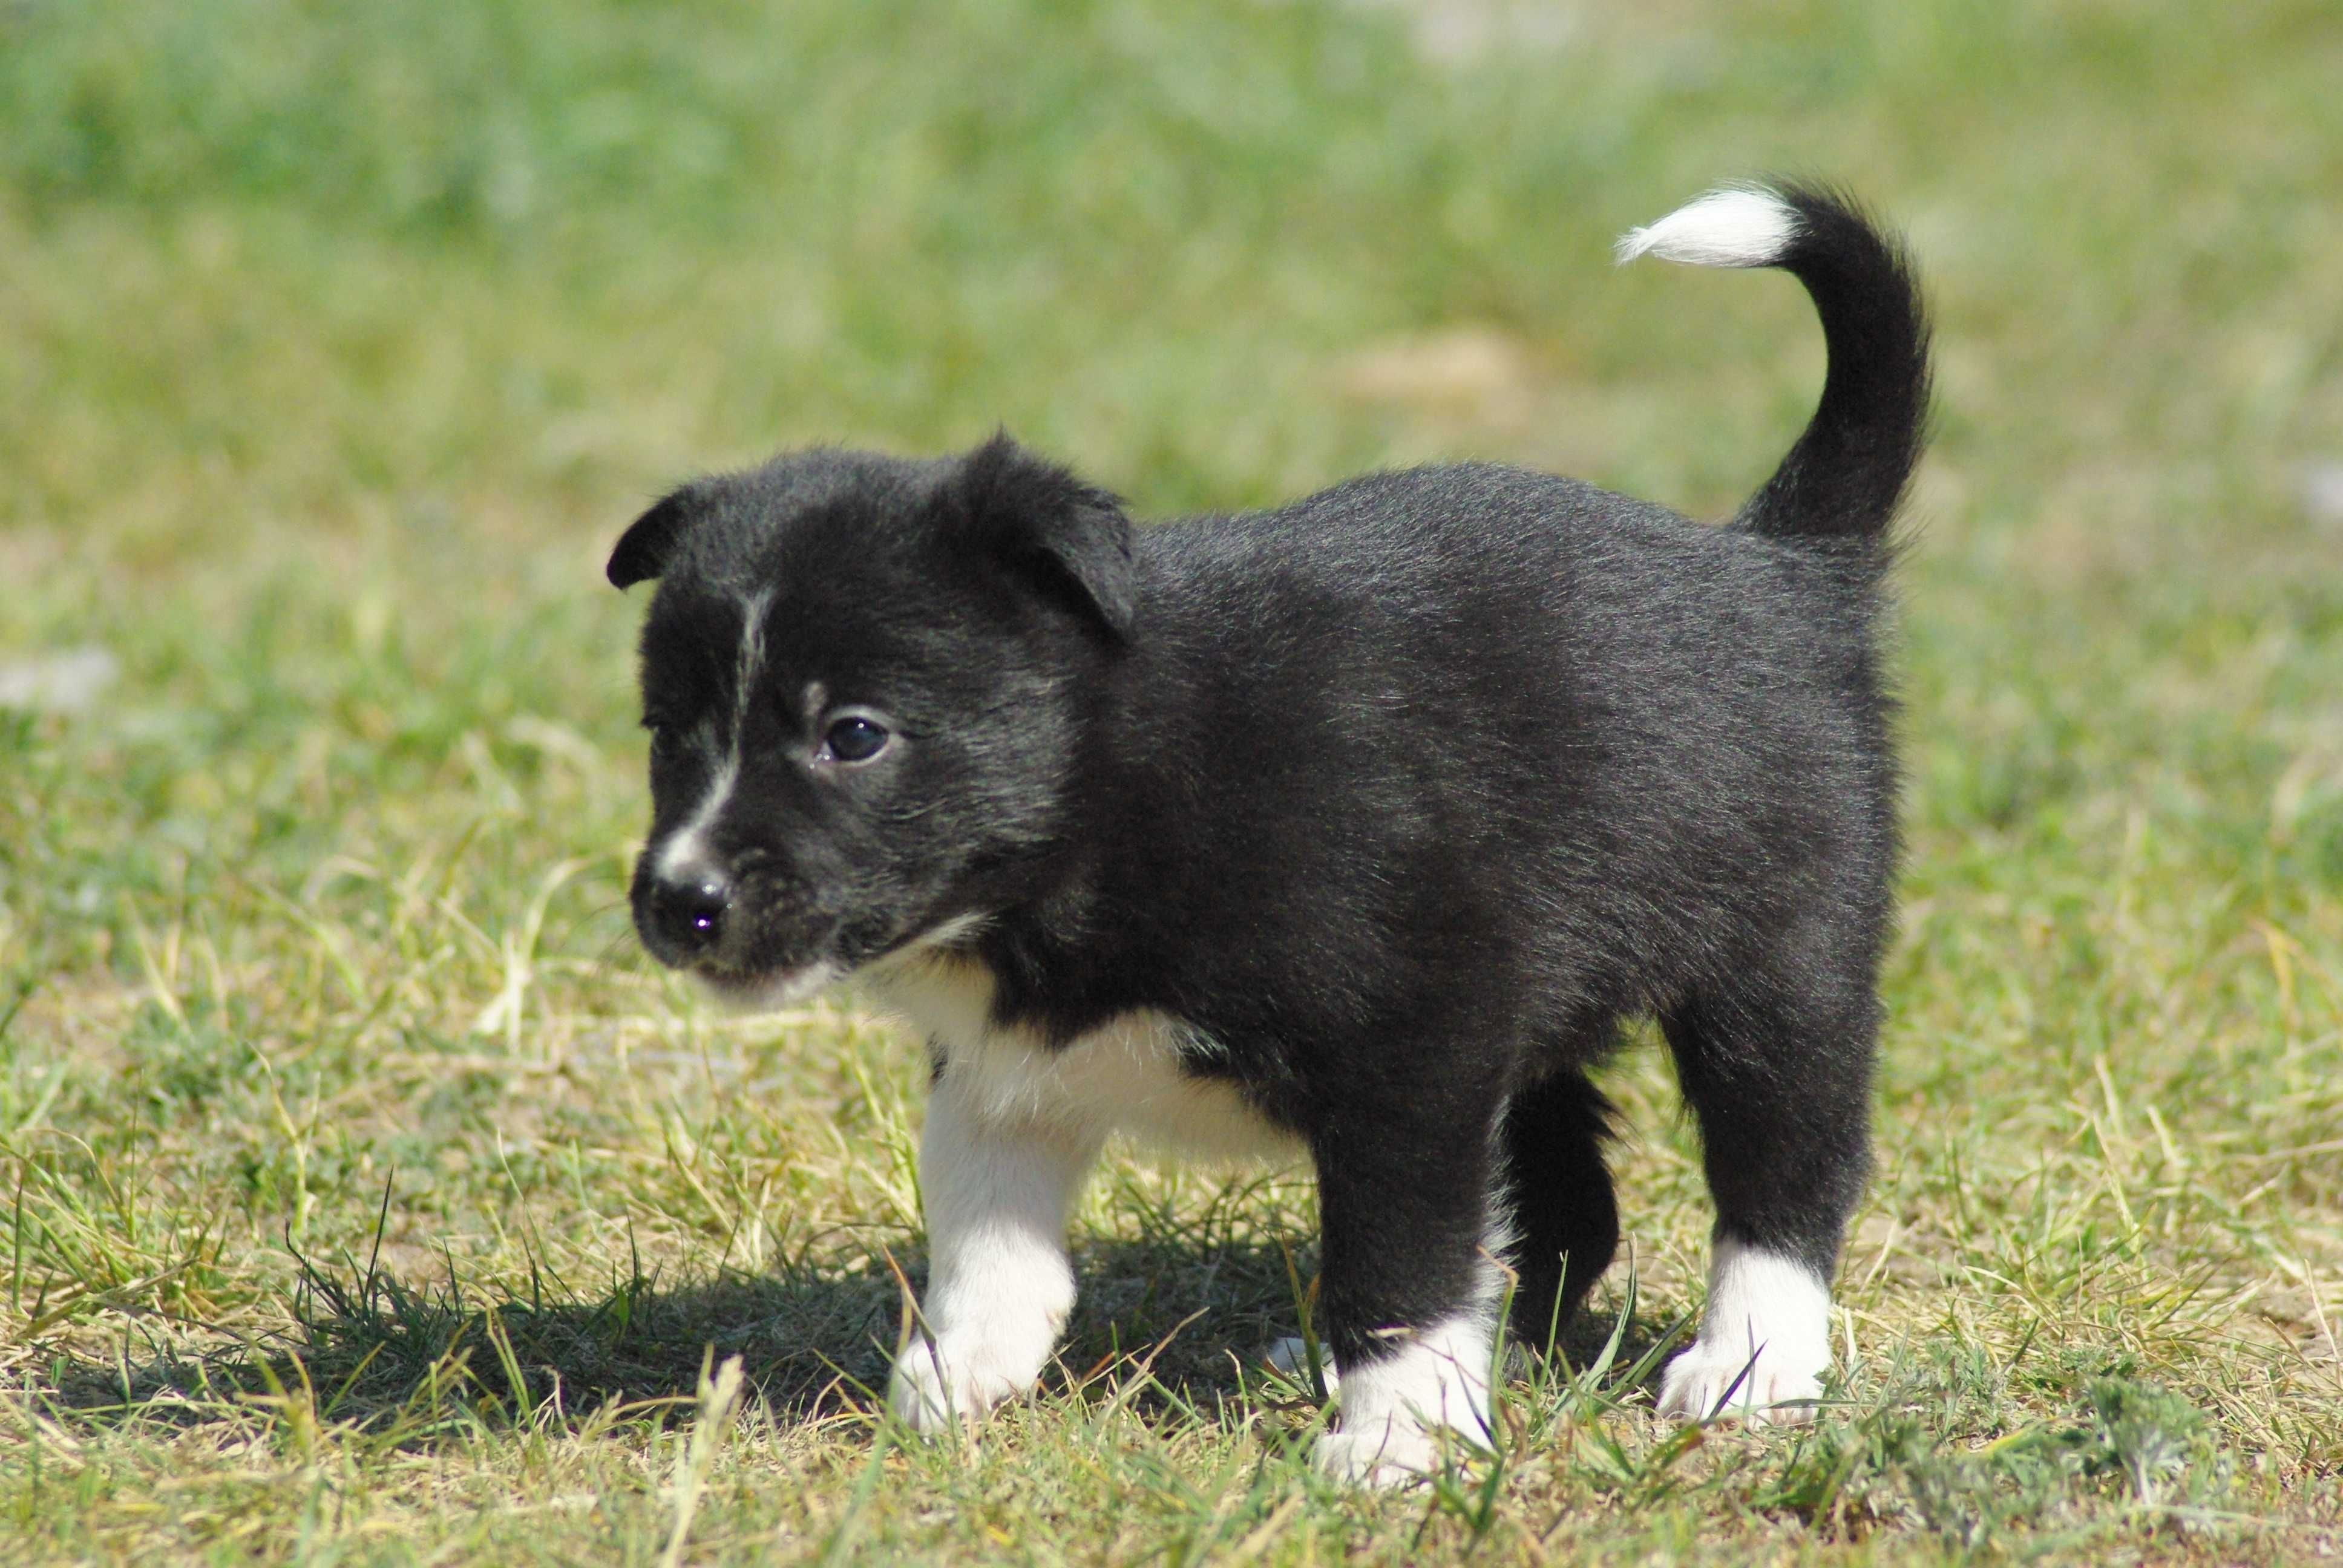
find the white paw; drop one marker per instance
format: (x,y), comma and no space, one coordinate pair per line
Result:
(956,1378)
(1434,1378)
(1383,1453)
(1290,1357)
(1765,1342)
(1706,1382)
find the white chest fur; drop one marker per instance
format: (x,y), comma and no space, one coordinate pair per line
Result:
(1126,1075)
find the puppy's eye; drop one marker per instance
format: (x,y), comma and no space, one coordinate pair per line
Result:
(853,738)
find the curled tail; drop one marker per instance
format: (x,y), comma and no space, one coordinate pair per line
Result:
(1846,476)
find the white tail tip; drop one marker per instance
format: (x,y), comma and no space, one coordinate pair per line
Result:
(1723,228)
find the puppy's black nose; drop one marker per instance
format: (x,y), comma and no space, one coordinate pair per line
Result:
(690,914)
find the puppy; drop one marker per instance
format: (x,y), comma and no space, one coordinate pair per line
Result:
(1349,830)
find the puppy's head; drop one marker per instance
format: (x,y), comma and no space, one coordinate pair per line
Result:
(867,683)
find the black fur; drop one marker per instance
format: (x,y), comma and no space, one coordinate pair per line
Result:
(1402,794)
(1849,470)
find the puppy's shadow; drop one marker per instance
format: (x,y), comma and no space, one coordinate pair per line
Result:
(407,1358)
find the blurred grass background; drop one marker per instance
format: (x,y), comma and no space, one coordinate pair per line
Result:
(338,343)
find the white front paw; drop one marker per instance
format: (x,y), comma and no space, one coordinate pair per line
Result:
(1381,1454)
(1718,1381)
(1436,1377)
(957,1378)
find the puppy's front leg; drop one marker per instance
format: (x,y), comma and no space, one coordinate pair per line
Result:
(999,1282)
(1410,1290)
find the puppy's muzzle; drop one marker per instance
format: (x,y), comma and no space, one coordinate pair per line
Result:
(687,914)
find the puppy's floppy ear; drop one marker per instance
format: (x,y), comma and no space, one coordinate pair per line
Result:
(643,551)
(1037,517)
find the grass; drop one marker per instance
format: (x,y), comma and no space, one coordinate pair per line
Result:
(368,1199)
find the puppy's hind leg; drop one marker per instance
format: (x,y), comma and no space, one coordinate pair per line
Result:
(1779,1073)
(1000,1284)
(1564,1215)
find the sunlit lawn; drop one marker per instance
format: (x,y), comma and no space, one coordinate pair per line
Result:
(368,1198)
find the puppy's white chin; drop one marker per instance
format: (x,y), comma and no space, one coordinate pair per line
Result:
(767,993)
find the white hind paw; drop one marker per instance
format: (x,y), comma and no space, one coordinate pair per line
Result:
(1702,1384)
(1763,1345)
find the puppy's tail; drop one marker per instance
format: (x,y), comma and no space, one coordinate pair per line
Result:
(1846,475)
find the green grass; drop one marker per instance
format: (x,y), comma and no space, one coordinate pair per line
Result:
(368,1199)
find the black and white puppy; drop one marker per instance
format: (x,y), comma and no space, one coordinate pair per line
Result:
(1349,830)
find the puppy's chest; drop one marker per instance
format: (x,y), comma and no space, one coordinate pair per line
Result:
(1135,1074)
